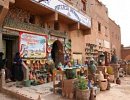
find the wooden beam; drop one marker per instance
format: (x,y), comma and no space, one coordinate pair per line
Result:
(56,16)
(86,32)
(3,14)
(74,26)
(50,17)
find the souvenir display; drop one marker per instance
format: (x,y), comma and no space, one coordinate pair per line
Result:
(38,73)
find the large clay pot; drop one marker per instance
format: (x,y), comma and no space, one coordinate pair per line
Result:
(118,81)
(70,73)
(82,94)
(111,78)
(101,76)
(103,84)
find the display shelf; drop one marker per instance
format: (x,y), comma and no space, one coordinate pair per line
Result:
(38,73)
(91,51)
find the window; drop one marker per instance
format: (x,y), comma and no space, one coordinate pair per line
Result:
(1,7)
(106,31)
(84,5)
(91,22)
(32,19)
(56,25)
(99,27)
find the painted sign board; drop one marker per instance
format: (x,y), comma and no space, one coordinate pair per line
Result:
(32,45)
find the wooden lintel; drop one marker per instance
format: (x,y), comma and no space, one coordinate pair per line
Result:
(74,26)
(50,17)
(78,26)
(56,16)
(86,32)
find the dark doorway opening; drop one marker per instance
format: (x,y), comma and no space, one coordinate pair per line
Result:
(107,58)
(11,45)
(9,56)
(57,53)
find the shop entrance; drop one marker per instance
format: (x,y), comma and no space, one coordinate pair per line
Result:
(107,58)
(10,45)
(9,51)
(57,53)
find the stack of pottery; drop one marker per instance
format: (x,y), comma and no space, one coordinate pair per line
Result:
(102,82)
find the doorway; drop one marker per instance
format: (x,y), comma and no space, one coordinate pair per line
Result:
(9,56)
(57,53)
(10,45)
(107,58)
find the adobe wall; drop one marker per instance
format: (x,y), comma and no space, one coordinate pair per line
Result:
(125,53)
(115,36)
(98,14)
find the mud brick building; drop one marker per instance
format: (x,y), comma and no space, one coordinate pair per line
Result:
(84,23)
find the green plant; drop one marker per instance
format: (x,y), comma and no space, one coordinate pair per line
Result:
(70,73)
(81,83)
(110,70)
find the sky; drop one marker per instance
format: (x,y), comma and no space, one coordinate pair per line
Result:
(119,11)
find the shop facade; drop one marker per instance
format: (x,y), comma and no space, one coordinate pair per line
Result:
(98,42)
(52,31)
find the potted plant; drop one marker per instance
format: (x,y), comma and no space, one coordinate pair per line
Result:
(70,73)
(111,73)
(82,90)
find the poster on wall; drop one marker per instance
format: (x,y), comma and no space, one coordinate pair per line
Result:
(32,45)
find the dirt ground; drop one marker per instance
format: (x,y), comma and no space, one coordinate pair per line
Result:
(5,97)
(117,92)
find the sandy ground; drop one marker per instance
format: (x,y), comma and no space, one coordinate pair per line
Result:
(117,92)
(5,97)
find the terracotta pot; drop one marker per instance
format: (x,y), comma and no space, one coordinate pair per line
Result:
(111,78)
(101,76)
(103,84)
(118,81)
(82,94)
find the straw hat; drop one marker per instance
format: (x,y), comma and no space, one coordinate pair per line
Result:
(42,61)
(50,42)
(28,61)
(33,61)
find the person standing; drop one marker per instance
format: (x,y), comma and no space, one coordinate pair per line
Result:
(17,71)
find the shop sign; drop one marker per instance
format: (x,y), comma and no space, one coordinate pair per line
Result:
(32,45)
(66,10)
